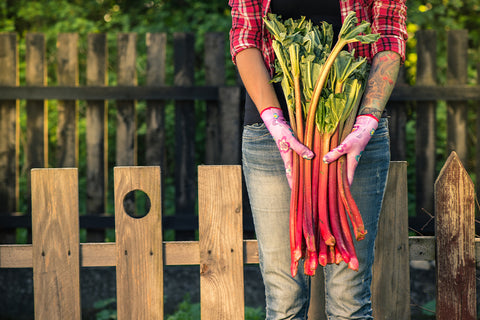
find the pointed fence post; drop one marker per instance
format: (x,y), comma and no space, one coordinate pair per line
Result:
(455,249)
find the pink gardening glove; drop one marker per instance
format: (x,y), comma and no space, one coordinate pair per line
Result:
(354,144)
(283,135)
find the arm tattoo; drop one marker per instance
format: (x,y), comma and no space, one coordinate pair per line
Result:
(380,84)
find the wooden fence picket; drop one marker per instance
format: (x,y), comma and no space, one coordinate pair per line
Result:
(37,120)
(10,132)
(67,75)
(126,124)
(457,111)
(220,240)
(214,76)
(425,145)
(185,186)
(455,245)
(96,133)
(155,114)
(56,244)
(139,246)
(391,273)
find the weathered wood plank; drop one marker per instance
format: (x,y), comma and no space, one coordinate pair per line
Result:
(214,75)
(426,123)
(139,246)
(185,196)
(55,239)
(199,92)
(391,269)
(316,309)
(397,110)
(184,253)
(457,112)
(230,125)
(10,133)
(420,92)
(37,119)
(119,92)
(155,116)
(96,133)
(220,239)
(455,233)
(67,74)
(126,138)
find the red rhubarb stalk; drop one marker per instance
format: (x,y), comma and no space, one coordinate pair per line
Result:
(322,252)
(347,234)
(295,256)
(323,221)
(351,206)
(333,206)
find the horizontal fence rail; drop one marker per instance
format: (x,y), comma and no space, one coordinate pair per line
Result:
(400,93)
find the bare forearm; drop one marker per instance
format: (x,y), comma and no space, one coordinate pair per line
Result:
(256,78)
(380,84)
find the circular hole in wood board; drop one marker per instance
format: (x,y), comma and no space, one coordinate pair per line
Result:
(137,204)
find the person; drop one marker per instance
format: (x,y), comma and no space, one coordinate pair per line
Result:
(266,161)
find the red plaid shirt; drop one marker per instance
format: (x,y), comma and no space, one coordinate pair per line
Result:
(387,17)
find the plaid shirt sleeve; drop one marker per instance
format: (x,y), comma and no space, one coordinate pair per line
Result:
(248,30)
(388,18)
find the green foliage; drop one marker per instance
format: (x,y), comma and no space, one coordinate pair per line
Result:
(443,16)
(106,309)
(428,309)
(186,310)
(191,311)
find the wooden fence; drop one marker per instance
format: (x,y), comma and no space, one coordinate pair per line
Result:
(223,118)
(139,253)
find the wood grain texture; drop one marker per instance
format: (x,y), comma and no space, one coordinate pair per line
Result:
(55,238)
(176,253)
(220,239)
(155,113)
(214,75)
(391,269)
(397,110)
(457,112)
(10,133)
(230,118)
(67,128)
(126,125)
(37,119)
(185,168)
(139,246)
(97,133)
(425,145)
(455,233)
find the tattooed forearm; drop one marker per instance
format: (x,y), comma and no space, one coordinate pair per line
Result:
(381,81)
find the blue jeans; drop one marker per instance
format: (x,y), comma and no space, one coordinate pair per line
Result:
(347,292)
